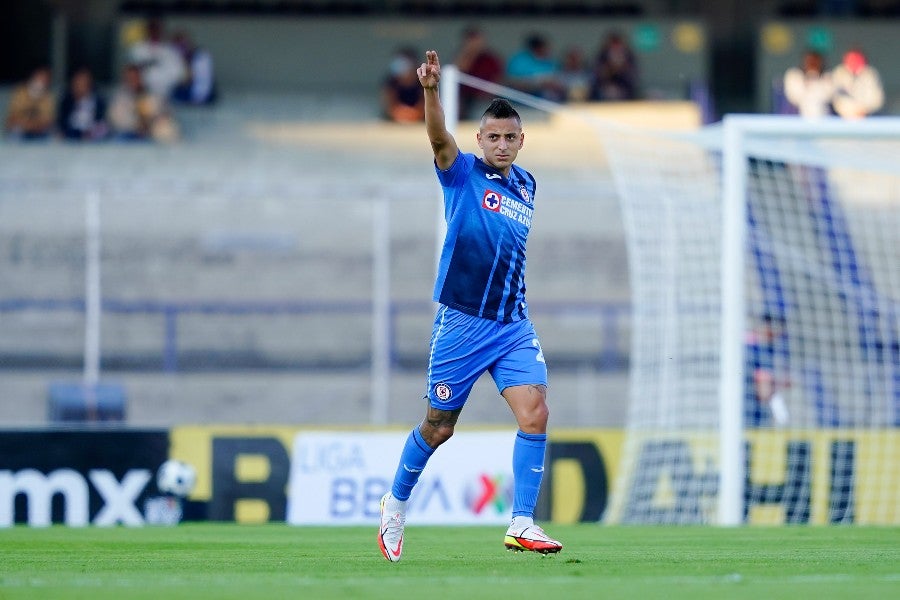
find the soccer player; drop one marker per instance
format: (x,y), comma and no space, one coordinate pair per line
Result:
(482,322)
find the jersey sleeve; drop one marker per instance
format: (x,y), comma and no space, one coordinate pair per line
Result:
(455,175)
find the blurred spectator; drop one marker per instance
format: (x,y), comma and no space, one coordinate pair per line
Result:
(136,113)
(160,62)
(534,70)
(475,58)
(402,99)
(615,70)
(858,89)
(82,111)
(575,76)
(809,87)
(32,109)
(765,373)
(198,85)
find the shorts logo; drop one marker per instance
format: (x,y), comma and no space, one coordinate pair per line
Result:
(491,201)
(442,391)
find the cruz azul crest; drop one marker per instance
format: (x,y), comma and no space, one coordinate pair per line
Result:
(524,193)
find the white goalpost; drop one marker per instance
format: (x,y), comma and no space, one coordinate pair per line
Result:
(742,140)
(765,380)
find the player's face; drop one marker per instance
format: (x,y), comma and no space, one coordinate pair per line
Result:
(501,140)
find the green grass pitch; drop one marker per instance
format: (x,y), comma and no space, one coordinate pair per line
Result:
(220,561)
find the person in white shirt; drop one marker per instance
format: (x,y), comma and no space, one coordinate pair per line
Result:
(809,87)
(162,67)
(858,88)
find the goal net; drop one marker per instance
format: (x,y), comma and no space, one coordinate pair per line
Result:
(765,370)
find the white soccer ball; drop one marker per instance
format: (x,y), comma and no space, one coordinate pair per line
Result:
(176,477)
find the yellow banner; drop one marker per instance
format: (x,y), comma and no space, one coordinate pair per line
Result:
(795,476)
(815,476)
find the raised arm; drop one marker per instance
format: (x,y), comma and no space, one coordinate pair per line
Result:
(442,143)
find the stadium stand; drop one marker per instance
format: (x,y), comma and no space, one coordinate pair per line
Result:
(236,267)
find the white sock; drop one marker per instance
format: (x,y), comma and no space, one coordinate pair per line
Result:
(393,505)
(521,522)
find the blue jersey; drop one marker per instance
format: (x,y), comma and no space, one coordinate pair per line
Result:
(482,268)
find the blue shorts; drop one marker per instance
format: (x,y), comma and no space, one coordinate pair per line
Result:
(464,346)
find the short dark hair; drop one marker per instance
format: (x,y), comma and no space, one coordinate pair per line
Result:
(535,41)
(774,319)
(500,108)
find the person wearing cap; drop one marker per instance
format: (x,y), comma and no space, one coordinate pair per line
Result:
(858,88)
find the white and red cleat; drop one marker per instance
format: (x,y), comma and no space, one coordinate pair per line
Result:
(530,538)
(390,534)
